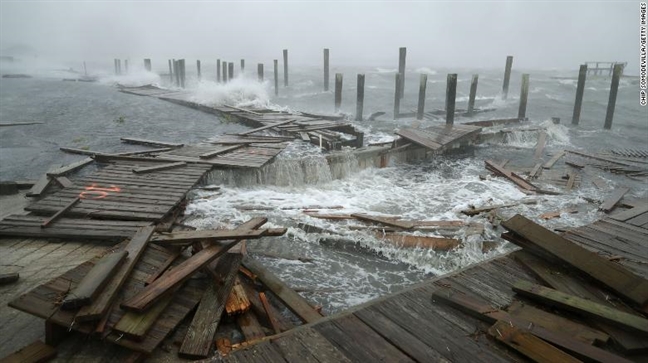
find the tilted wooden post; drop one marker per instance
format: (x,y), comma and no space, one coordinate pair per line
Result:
(507,76)
(402,55)
(147,64)
(614,88)
(242,66)
(230,74)
(580,90)
(473,94)
(260,71)
(338,91)
(360,97)
(420,111)
(171,70)
(524,94)
(198,70)
(285,60)
(218,70)
(276,76)
(326,69)
(224,72)
(397,96)
(451,94)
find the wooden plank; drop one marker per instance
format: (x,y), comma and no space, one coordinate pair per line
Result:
(152,169)
(535,171)
(64,182)
(475,211)
(598,158)
(237,301)
(307,345)
(131,140)
(100,306)
(383,220)
(165,283)
(42,183)
(581,306)
(9,278)
(542,141)
(163,267)
(414,137)
(69,168)
(269,126)
(200,335)
(293,300)
(510,176)
(528,344)
(610,274)
(571,180)
(93,283)
(36,352)
(553,160)
(60,213)
(613,199)
(224,150)
(135,325)
(408,241)
(250,326)
(189,237)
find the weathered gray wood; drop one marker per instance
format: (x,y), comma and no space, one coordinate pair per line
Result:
(170,70)
(276,76)
(524,93)
(360,97)
(9,278)
(293,300)
(211,154)
(189,237)
(60,213)
(260,72)
(152,169)
(581,306)
(36,352)
(64,182)
(70,168)
(507,76)
(338,91)
(230,68)
(42,183)
(402,60)
(242,66)
(92,284)
(269,126)
(614,88)
(382,220)
(132,140)
(580,89)
(420,110)
(285,63)
(218,70)
(613,199)
(451,95)
(198,72)
(473,94)
(326,69)
(200,334)
(224,75)
(397,95)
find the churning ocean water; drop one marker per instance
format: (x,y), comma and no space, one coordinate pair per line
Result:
(351,266)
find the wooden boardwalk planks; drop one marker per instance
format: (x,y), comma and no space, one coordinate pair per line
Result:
(152,169)
(382,220)
(36,352)
(189,237)
(132,140)
(613,199)
(438,137)
(69,228)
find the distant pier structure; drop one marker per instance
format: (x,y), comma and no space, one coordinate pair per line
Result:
(601,68)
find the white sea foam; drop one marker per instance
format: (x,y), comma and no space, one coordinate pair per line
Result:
(240,92)
(426,70)
(134,78)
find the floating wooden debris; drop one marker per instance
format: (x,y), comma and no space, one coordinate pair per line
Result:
(410,241)
(440,137)
(189,237)
(382,220)
(9,278)
(42,183)
(476,211)
(510,176)
(553,160)
(611,201)
(632,153)
(542,141)
(557,214)
(131,140)
(69,168)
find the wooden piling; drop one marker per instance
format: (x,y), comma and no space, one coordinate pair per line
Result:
(524,93)
(507,76)
(182,73)
(218,70)
(198,70)
(85,70)
(230,75)
(614,88)
(473,94)
(260,71)
(276,76)
(147,64)
(176,72)
(421,99)
(451,94)
(326,69)
(338,91)
(580,89)
(224,72)
(242,66)
(170,71)
(402,55)
(115,64)
(285,60)
(397,96)
(360,97)
(126,66)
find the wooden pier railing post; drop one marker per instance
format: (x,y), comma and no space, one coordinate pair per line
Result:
(397,96)
(473,94)
(524,94)
(171,70)
(224,72)
(451,94)
(326,69)
(276,76)
(230,74)
(507,76)
(198,70)
(285,62)
(338,91)
(402,55)
(242,66)
(580,89)
(147,64)
(260,71)
(614,88)
(360,97)
(218,70)
(421,99)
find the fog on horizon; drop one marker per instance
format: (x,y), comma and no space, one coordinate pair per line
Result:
(540,35)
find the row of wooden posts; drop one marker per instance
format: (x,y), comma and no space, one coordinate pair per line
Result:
(225,73)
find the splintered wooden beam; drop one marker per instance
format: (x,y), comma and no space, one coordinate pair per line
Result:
(136,325)
(542,141)
(581,306)
(131,140)
(266,127)
(63,182)
(189,237)
(528,344)
(274,317)
(553,160)
(475,211)
(613,199)
(70,168)
(385,221)
(60,213)
(101,305)
(200,335)
(557,248)
(42,183)
(510,176)
(211,154)
(169,280)
(293,300)
(94,281)
(408,241)
(237,301)
(163,267)
(36,352)
(152,169)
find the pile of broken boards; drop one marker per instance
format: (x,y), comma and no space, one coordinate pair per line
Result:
(588,308)
(138,292)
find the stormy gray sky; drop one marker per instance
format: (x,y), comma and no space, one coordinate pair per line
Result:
(548,34)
